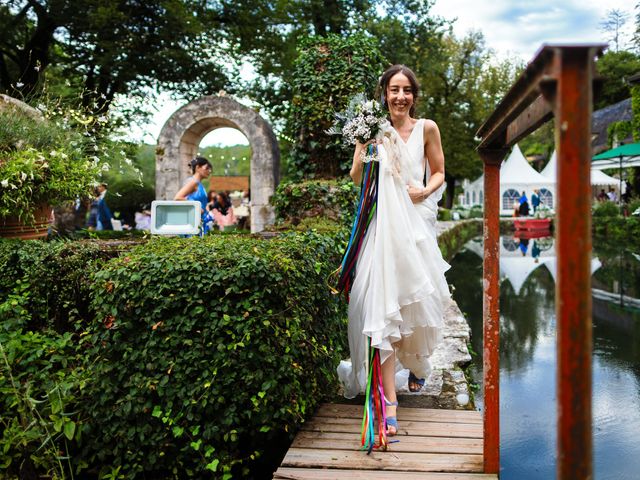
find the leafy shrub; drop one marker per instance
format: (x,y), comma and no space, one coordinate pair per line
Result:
(476,211)
(606,209)
(41,161)
(618,229)
(331,199)
(40,381)
(59,276)
(129,191)
(634,205)
(195,355)
(204,351)
(444,214)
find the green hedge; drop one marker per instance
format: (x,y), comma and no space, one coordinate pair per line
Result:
(334,200)
(59,277)
(196,356)
(617,228)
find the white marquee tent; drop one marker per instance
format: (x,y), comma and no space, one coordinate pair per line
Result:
(516,176)
(599,179)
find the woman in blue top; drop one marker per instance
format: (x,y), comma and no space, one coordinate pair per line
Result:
(193,188)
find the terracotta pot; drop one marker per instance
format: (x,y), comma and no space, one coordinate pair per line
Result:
(12,227)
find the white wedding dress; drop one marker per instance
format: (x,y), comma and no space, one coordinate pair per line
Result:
(399,290)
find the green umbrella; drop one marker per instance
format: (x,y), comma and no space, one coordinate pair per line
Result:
(621,157)
(628,150)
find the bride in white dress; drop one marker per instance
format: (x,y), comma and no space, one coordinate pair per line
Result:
(399,290)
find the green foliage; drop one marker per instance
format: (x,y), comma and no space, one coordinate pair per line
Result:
(606,209)
(619,131)
(110,48)
(330,199)
(233,159)
(59,278)
(129,190)
(615,68)
(453,239)
(618,229)
(635,110)
(462,83)
(634,204)
(444,214)
(328,71)
(196,358)
(206,350)
(40,384)
(42,161)
(540,142)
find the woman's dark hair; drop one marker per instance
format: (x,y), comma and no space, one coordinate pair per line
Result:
(381,91)
(198,162)
(225,198)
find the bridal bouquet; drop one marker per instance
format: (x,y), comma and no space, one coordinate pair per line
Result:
(361,121)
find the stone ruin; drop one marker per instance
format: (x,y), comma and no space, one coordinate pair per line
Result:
(180,138)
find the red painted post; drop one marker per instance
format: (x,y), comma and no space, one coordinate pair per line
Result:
(491,308)
(573,100)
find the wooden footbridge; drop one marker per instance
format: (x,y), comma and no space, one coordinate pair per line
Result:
(465,445)
(431,445)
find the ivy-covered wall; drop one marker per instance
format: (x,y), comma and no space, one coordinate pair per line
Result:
(329,70)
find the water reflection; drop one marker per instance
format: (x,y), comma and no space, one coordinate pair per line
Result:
(528,353)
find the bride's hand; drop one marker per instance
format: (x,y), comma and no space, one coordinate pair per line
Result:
(417,194)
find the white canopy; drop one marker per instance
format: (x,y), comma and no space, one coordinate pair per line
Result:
(597,177)
(516,171)
(516,176)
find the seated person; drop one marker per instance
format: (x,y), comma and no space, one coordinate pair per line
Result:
(221,211)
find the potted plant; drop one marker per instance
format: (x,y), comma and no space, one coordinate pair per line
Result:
(43,162)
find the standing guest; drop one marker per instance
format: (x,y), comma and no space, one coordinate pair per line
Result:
(535,200)
(523,210)
(104,214)
(516,210)
(396,302)
(92,220)
(194,190)
(523,198)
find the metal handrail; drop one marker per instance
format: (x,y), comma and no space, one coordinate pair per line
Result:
(557,83)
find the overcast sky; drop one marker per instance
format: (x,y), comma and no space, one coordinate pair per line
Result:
(510,27)
(517,27)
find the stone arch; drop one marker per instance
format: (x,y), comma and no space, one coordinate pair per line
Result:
(181,135)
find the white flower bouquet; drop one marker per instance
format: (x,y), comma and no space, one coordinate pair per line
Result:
(361,121)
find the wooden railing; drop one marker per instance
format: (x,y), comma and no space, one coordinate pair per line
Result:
(557,83)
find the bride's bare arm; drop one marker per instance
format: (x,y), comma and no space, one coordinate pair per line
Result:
(356,167)
(435,157)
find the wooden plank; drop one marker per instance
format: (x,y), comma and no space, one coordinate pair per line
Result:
(285,473)
(411,462)
(428,429)
(404,413)
(351,441)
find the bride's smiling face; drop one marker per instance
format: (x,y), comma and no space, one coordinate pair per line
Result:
(399,95)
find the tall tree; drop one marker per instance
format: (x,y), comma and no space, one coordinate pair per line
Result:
(113,47)
(615,68)
(612,24)
(462,83)
(636,33)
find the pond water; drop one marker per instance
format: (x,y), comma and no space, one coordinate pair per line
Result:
(528,353)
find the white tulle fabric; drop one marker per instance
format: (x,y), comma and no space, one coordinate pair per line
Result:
(399,288)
